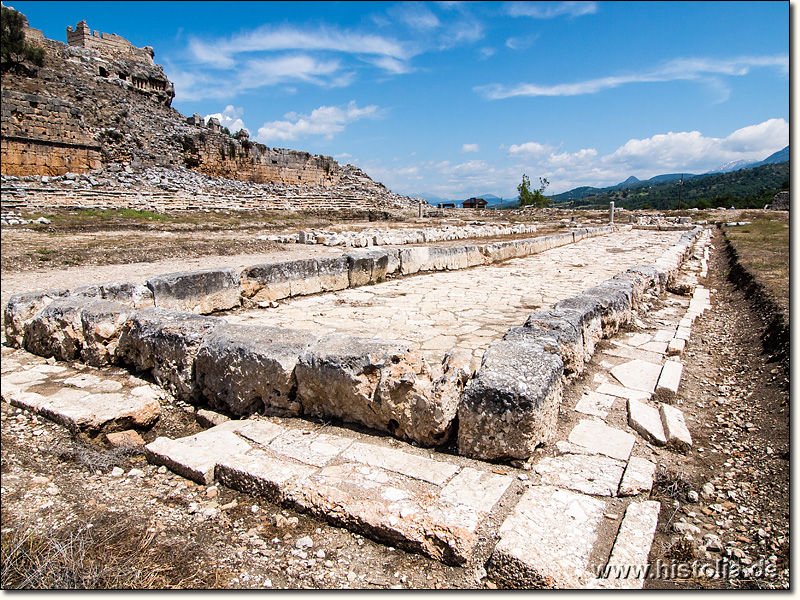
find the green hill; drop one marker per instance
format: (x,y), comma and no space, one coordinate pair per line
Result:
(746,188)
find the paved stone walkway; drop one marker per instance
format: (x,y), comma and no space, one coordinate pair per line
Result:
(552,522)
(468,309)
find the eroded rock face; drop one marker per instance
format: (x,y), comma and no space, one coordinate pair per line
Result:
(565,325)
(167,342)
(381,384)
(101,323)
(21,308)
(56,330)
(244,369)
(511,406)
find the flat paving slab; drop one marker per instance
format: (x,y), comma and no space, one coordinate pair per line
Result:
(590,474)
(638,375)
(546,541)
(599,438)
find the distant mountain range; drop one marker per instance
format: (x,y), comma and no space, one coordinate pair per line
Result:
(633,183)
(630,183)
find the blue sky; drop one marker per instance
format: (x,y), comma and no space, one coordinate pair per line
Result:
(461,98)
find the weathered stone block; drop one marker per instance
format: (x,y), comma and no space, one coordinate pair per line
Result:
(20,308)
(56,330)
(244,369)
(566,325)
(367,267)
(167,342)
(136,295)
(101,323)
(274,281)
(511,405)
(615,300)
(381,384)
(201,292)
(590,313)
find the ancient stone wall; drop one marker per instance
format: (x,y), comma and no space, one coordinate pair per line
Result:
(107,44)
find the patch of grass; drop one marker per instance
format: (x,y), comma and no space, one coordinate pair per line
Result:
(93,458)
(763,250)
(105,551)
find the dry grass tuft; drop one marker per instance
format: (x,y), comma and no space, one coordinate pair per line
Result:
(104,551)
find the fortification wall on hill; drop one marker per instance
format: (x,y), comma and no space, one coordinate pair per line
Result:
(99,101)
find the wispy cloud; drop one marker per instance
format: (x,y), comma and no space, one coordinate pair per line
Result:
(550,10)
(693,69)
(470,148)
(325,121)
(221,53)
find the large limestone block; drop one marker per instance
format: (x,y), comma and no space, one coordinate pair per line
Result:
(566,325)
(274,281)
(202,292)
(244,369)
(136,295)
(102,323)
(21,308)
(167,342)
(590,312)
(511,406)
(367,267)
(56,330)
(381,384)
(615,298)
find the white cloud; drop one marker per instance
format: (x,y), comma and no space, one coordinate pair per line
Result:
(549,10)
(470,148)
(768,136)
(326,121)
(230,118)
(415,15)
(693,69)
(530,148)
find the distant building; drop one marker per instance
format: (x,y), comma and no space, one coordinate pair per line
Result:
(475,203)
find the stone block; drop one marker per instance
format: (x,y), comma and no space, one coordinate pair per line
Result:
(200,292)
(669,381)
(547,540)
(566,325)
(127,438)
(243,369)
(638,375)
(511,406)
(615,301)
(21,308)
(381,384)
(274,281)
(410,465)
(646,421)
(676,347)
(590,314)
(166,342)
(136,295)
(588,474)
(599,438)
(102,322)
(56,330)
(638,477)
(675,429)
(367,267)
(632,544)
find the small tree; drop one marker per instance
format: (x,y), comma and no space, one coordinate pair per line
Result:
(533,198)
(14,50)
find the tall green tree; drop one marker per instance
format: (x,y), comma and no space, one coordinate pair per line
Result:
(14,50)
(528,197)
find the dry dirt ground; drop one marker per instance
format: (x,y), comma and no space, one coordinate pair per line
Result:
(149,527)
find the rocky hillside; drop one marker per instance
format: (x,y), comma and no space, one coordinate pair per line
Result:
(102,112)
